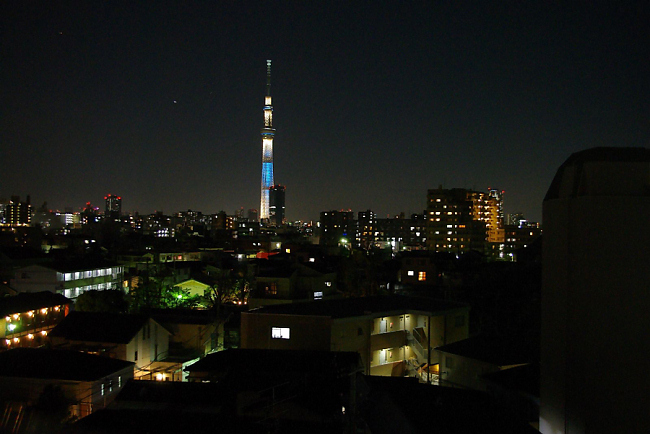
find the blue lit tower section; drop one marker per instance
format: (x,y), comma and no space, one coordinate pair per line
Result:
(267,147)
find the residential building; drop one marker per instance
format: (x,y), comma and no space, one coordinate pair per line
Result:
(461,220)
(87,381)
(337,228)
(394,335)
(134,338)
(17,213)
(366,229)
(418,268)
(70,278)
(285,282)
(26,319)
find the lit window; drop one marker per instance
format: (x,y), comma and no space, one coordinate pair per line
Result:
(102,390)
(272,289)
(422,276)
(328,283)
(280,332)
(318,295)
(411,273)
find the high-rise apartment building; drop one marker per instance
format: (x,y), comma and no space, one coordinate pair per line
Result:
(460,220)
(17,213)
(276,205)
(268,132)
(337,227)
(366,228)
(113,207)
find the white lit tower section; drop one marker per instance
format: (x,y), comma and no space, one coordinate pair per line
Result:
(267,147)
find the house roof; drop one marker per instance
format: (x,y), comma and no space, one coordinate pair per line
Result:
(275,361)
(362,306)
(490,349)
(81,264)
(99,327)
(24,302)
(179,394)
(184,316)
(57,364)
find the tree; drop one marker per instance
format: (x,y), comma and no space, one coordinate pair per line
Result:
(110,300)
(223,288)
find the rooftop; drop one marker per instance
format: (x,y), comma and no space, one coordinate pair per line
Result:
(24,302)
(275,361)
(99,327)
(57,364)
(363,306)
(490,349)
(603,172)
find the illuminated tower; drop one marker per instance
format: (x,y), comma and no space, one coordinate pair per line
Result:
(267,147)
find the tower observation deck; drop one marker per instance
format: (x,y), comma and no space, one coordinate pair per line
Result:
(268,132)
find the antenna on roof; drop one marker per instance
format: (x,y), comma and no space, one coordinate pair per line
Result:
(268,78)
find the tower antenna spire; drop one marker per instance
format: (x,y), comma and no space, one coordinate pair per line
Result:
(268,78)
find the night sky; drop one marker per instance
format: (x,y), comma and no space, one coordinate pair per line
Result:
(374,102)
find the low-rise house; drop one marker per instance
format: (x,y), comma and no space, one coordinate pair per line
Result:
(394,335)
(285,282)
(194,287)
(194,332)
(134,338)
(418,268)
(26,319)
(464,363)
(87,382)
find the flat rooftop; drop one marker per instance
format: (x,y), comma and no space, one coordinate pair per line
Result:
(364,306)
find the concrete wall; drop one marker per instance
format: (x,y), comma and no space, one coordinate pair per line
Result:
(595,299)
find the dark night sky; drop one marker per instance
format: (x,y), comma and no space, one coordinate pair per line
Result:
(375,102)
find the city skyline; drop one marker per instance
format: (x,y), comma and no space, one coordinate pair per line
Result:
(376,105)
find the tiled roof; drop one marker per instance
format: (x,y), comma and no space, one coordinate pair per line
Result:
(57,364)
(99,327)
(24,302)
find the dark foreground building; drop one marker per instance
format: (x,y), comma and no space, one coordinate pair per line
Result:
(595,298)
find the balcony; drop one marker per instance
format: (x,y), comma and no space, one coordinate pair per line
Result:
(394,339)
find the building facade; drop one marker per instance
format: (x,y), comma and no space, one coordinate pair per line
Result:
(113,206)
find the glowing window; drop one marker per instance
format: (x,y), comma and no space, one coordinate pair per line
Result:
(280,332)
(411,273)
(422,276)
(272,289)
